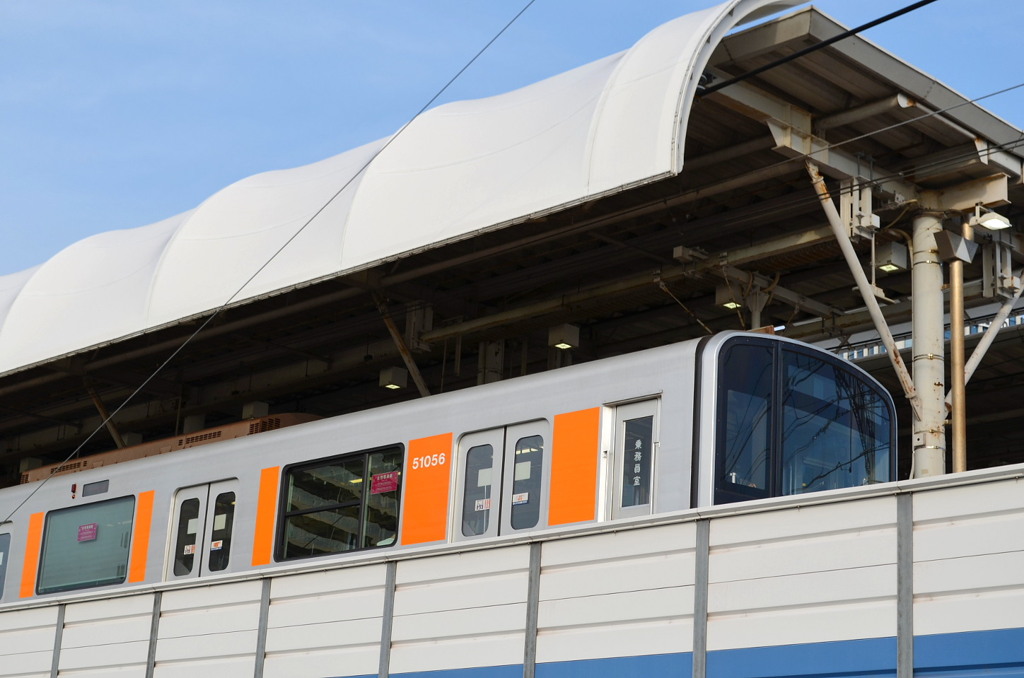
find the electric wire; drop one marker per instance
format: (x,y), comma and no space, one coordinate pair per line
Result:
(814,48)
(217,311)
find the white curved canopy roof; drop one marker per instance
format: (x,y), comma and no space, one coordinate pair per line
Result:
(456,170)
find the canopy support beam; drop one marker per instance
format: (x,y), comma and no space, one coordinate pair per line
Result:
(864,286)
(403,349)
(108,422)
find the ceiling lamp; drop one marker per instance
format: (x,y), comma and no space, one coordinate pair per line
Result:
(987,219)
(393,377)
(724,297)
(891,257)
(564,336)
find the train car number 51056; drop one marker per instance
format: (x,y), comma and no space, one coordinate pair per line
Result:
(428,460)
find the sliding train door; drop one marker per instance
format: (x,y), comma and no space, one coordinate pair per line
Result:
(201,528)
(502,483)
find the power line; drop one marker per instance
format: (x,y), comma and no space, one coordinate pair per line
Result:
(188,340)
(433,99)
(814,48)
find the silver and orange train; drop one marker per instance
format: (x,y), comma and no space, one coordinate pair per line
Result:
(722,419)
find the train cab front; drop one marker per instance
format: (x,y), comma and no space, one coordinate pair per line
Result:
(786,418)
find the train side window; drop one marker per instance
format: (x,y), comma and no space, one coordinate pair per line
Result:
(477,488)
(5,548)
(528,472)
(220,536)
(86,546)
(187,537)
(341,504)
(634,449)
(745,425)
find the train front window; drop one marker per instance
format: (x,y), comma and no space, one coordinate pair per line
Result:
(835,432)
(794,420)
(744,424)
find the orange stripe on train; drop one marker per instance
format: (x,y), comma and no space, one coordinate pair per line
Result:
(427,480)
(266,512)
(140,539)
(32,546)
(575,453)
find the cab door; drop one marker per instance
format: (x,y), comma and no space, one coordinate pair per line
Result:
(201,529)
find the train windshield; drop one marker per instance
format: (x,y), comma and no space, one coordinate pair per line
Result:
(792,420)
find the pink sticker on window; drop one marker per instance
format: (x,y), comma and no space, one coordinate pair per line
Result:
(88,532)
(384,482)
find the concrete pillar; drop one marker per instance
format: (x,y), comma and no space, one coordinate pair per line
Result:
(929,439)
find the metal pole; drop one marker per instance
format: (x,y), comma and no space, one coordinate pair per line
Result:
(927,329)
(956,349)
(990,335)
(839,231)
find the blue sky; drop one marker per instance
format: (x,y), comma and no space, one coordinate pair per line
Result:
(118,113)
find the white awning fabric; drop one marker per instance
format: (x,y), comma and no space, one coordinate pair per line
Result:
(457,170)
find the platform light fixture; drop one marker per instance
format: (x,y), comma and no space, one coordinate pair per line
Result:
(725,298)
(564,336)
(393,378)
(989,219)
(891,257)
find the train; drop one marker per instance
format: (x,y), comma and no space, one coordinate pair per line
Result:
(729,418)
(704,422)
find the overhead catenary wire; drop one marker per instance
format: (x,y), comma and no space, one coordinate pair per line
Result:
(814,48)
(217,311)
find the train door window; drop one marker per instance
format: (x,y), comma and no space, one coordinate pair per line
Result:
(527,482)
(478,480)
(201,529)
(477,488)
(634,450)
(86,546)
(525,477)
(341,504)
(502,481)
(744,424)
(220,535)
(187,536)
(5,548)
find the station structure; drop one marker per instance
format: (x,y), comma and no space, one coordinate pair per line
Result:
(839,196)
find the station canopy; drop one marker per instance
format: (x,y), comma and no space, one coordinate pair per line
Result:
(457,170)
(622,197)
